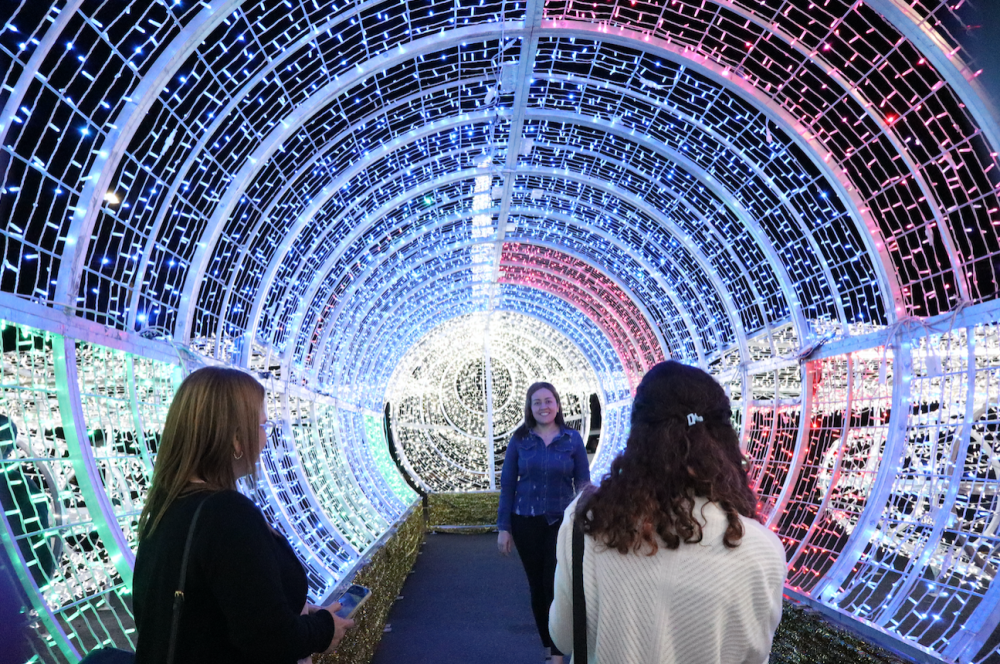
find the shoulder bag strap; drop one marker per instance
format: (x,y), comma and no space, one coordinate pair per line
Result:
(579,600)
(179,593)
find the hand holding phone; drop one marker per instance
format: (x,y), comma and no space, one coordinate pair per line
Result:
(342,612)
(352,600)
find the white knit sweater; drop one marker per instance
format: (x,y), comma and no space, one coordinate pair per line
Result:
(699,604)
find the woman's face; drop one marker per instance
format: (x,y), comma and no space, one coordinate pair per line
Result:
(544,406)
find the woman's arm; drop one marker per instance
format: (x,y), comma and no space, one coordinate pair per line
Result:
(508,484)
(581,464)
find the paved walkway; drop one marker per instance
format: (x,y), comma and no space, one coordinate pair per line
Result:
(463,603)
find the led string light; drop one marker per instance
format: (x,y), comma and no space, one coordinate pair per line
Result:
(890,162)
(438,395)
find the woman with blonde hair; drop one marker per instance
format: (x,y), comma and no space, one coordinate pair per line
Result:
(676,567)
(244,590)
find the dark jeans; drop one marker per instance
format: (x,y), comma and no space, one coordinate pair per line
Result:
(535,540)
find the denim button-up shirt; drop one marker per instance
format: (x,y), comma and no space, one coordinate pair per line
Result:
(539,479)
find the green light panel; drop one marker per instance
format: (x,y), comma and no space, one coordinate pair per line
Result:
(52,524)
(379,446)
(335,484)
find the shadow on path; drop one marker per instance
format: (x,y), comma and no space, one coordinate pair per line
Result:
(464,602)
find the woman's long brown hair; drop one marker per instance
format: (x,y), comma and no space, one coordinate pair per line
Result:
(213,408)
(667,462)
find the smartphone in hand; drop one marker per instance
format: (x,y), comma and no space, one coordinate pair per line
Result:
(352,600)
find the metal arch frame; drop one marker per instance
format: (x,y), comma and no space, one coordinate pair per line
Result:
(685,164)
(806,235)
(682,237)
(763,245)
(461,245)
(430,228)
(525,238)
(115,146)
(737,322)
(326,338)
(384,329)
(359,230)
(206,136)
(454,270)
(728,199)
(772,110)
(952,69)
(654,146)
(326,193)
(304,218)
(725,196)
(560,276)
(774,32)
(576,324)
(289,126)
(661,149)
(457,216)
(385,323)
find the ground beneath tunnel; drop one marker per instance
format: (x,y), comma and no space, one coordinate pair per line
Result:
(464,602)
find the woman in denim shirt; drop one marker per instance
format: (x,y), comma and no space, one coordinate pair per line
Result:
(544,468)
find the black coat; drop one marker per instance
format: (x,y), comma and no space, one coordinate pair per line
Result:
(244,593)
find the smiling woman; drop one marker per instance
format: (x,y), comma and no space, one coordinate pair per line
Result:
(544,469)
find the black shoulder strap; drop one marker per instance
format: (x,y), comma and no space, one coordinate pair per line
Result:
(579,600)
(179,593)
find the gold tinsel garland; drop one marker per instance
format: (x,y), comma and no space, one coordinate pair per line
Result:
(474,512)
(805,637)
(384,575)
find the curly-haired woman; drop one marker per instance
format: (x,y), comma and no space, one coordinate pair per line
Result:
(676,566)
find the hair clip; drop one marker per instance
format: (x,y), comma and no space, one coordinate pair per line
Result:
(692,418)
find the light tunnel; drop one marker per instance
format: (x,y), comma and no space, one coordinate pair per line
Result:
(397,214)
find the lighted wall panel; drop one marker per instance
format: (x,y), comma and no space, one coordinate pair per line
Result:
(54,525)
(841,477)
(299,189)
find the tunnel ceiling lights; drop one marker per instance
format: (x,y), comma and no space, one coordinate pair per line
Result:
(799,196)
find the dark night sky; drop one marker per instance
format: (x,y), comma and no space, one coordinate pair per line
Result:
(982,40)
